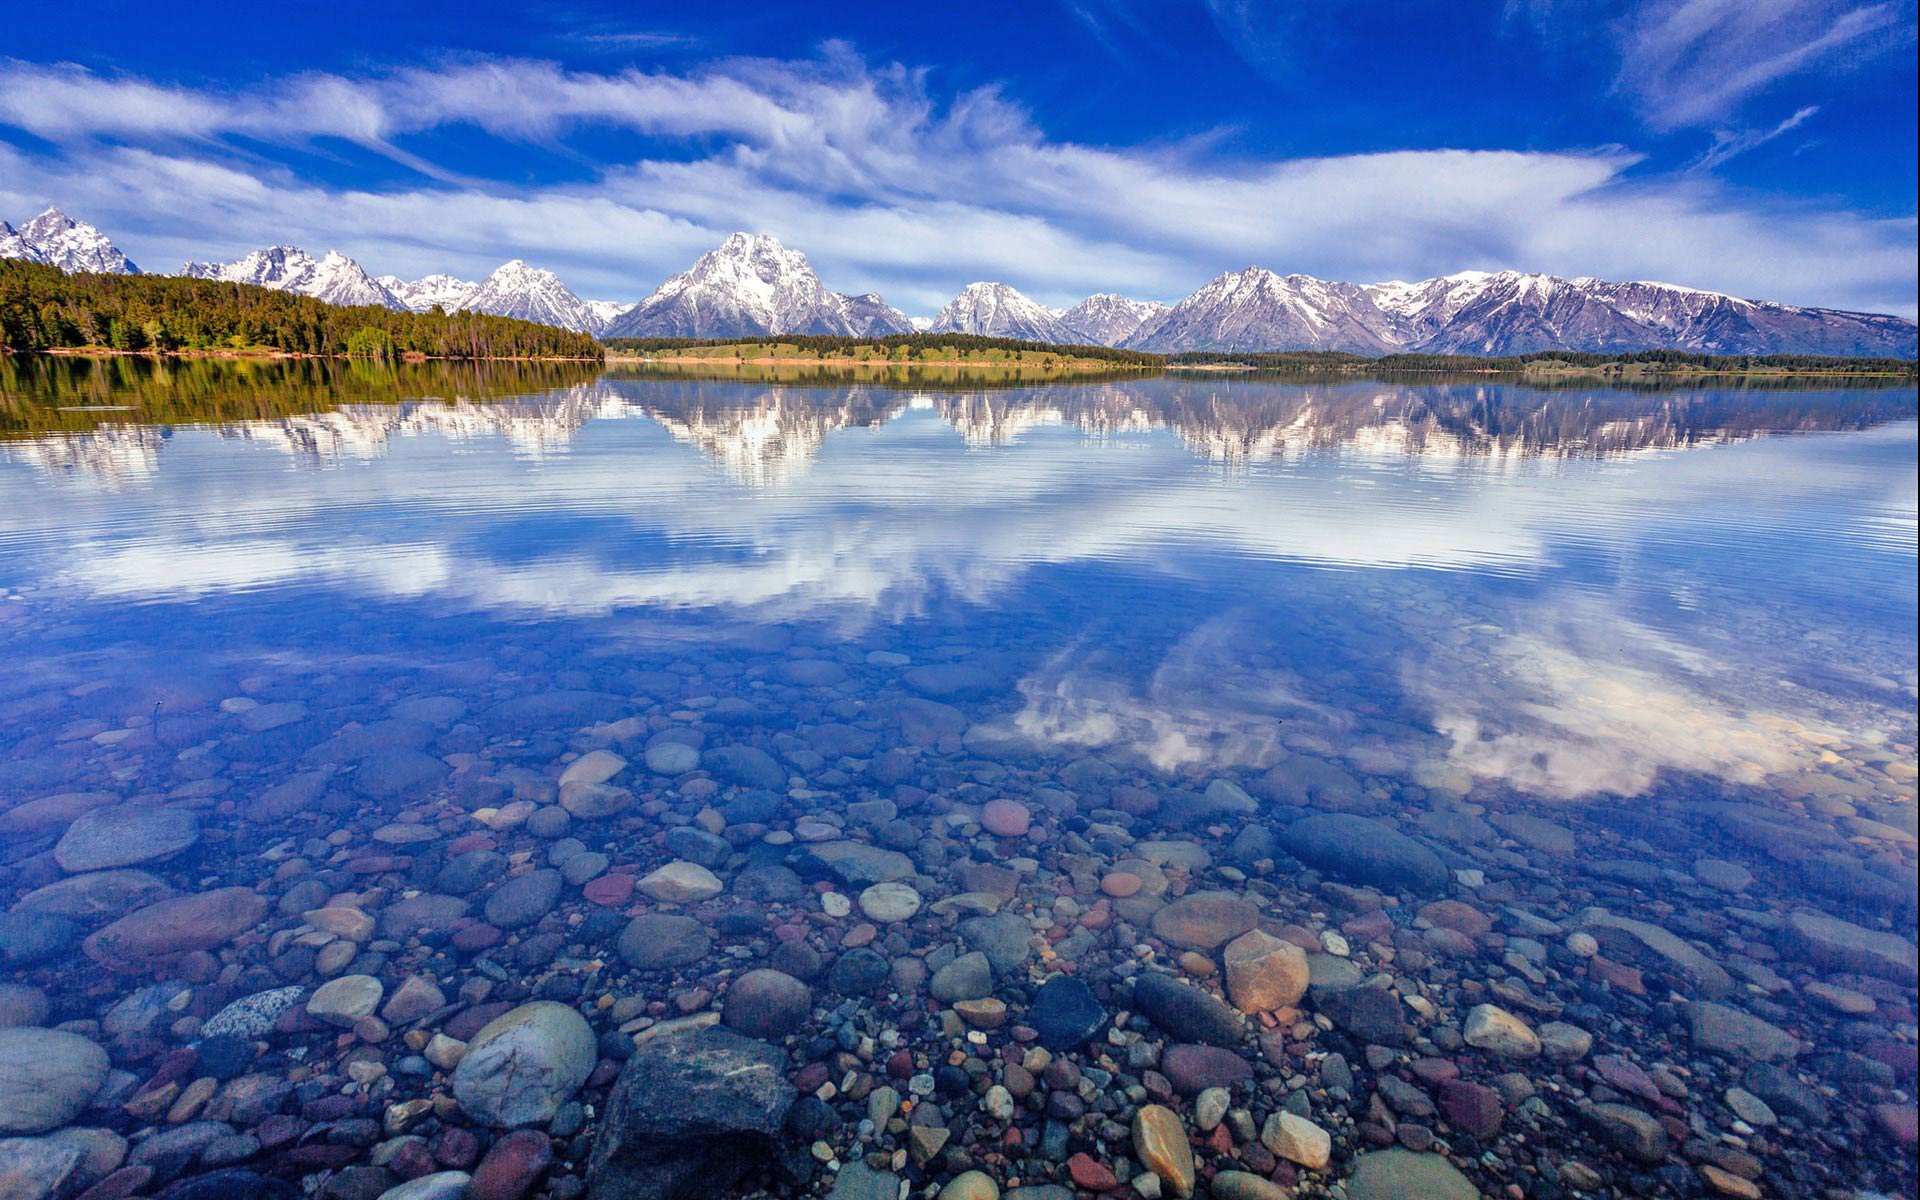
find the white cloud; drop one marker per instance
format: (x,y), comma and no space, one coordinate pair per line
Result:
(1690,62)
(1729,144)
(886,186)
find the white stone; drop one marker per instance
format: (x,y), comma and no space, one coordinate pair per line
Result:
(682,882)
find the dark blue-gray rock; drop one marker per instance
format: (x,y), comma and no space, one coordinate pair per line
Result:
(767,1004)
(698,846)
(399,773)
(945,680)
(426,913)
(29,939)
(858,1181)
(1006,940)
(467,873)
(1369,1013)
(663,941)
(231,1185)
(1186,1012)
(747,766)
(1363,851)
(859,972)
(855,864)
(753,806)
(124,835)
(524,900)
(553,710)
(172,1151)
(768,883)
(1065,1013)
(691,1115)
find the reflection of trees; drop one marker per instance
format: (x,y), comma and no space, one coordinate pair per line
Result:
(68,393)
(96,416)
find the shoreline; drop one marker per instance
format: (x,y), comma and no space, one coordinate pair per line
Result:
(854,363)
(277,355)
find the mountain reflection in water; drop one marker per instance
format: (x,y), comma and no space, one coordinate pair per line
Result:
(110,421)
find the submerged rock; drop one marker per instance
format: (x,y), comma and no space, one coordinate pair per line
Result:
(1065,1013)
(177,926)
(47,1076)
(123,836)
(1404,1175)
(1186,1012)
(1360,850)
(524,1064)
(691,1115)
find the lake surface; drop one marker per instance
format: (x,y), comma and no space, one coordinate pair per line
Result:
(1599,706)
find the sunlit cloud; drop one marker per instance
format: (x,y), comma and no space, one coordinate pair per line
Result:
(886,184)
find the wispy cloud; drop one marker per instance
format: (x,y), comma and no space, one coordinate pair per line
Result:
(886,184)
(1697,61)
(1729,144)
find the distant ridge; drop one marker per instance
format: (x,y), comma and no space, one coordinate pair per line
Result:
(751,285)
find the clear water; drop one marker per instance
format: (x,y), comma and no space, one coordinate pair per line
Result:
(1568,593)
(1641,614)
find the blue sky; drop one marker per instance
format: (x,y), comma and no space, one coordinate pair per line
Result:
(1761,148)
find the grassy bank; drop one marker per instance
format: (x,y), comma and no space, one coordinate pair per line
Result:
(901,350)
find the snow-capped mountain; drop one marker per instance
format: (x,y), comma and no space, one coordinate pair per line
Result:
(336,279)
(996,310)
(753,285)
(1510,312)
(1107,319)
(604,311)
(1500,313)
(870,316)
(531,294)
(513,290)
(422,294)
(1242,310)
(58,240)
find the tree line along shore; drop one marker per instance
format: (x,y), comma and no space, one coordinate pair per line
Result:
(45,310)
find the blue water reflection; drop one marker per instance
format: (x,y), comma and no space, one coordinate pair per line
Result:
(1464,585)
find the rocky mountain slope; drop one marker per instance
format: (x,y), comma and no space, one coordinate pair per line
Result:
(335,279)
(58,240)
(1501,313)
(1107,319)
(750,286)
(996,310)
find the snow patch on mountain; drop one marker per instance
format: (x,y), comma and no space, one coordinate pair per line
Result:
(997,310)
(447,291)
(751,286)
(58,240)
(335,279)
(1107,319)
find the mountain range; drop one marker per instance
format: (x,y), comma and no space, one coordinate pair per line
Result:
(768,437)
(752,286)
(58,240)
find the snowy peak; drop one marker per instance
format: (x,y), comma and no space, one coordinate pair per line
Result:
(447,291)
(58,240)
(517,290)
(1255,308)
(996,310)
(1107,319)
(335,279)
(1502,313)
(752,286)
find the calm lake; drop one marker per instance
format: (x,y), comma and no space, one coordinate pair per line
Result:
(1595,706)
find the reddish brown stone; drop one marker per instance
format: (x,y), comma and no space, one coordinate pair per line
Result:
(1094,1176)
(512,1167)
